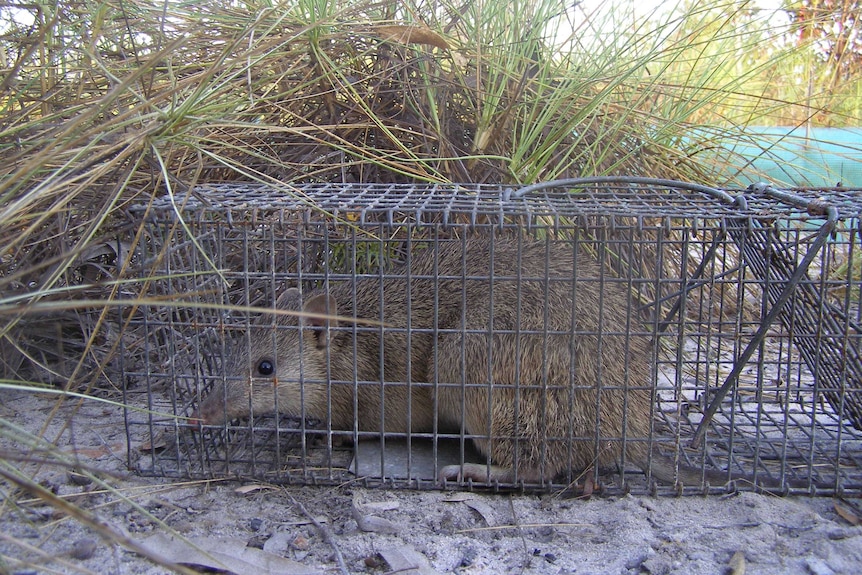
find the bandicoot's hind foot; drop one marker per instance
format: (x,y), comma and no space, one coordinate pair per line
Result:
(475,472)
(486,474)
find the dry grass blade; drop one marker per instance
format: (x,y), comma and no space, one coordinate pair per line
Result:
(109,532)
(40,558)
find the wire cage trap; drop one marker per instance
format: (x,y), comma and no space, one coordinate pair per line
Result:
(665,337)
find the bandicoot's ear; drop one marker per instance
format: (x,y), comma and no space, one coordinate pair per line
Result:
(322,304)
(290,300)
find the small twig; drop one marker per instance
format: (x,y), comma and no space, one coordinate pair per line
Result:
(28,457)
(327,534)
(523,526)
(520,533)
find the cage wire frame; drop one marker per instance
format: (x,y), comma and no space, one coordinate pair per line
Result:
(756,362)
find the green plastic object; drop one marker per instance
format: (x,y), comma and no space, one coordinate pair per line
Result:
(800,157)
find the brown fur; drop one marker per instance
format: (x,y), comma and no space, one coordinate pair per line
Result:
(551,391)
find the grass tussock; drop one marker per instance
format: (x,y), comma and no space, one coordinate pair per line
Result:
(108,103)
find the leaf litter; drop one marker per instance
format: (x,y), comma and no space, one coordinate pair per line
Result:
(265,528)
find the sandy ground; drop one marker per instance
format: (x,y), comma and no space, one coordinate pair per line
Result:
(261,529)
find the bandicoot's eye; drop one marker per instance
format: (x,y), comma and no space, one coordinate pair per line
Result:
(265,367)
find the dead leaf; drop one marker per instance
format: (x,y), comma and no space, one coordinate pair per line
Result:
(153,444)
(252,487)
(279,543)
(99,260)
(846,514)
(484,510)
(226,553)
(737,563)
(367,521)
(405,560)
(405,34)
(375,524)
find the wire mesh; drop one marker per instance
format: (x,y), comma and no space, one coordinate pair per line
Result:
(750,291)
